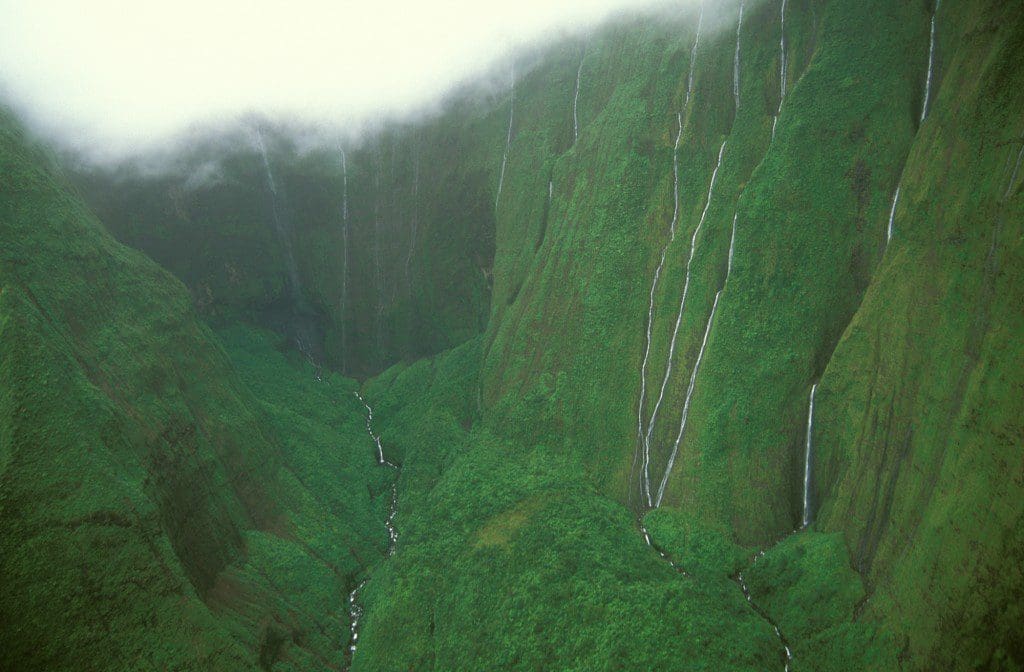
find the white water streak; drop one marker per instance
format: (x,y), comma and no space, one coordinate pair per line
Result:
(508,140)
(344,258)
(686,404)
(931,65)
(693,54)
(682,302)
(355,610)
(575,105)
(808,447)
(782,67)
(892,215)
(415,219)
(644,442)
(782,56)
(732,247)
(280,224)
(736,61)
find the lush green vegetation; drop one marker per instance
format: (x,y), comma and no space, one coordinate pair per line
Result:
(179,497)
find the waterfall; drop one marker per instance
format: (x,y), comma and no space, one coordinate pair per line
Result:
(782,55)
(355,614)
(931,65)
(414,221)
(732,247)
(686,403)
(682,302)
(378,270)
(782,66)
(736,61)
(693,54)
(575,105)
(508,139)
(645,483)
(808,446)
(355,610)
(344,258)
(280,224)
(892,215)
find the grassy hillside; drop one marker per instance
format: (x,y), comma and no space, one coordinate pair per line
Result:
(156,512)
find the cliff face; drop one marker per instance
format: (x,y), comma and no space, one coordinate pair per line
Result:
(148,499)
(651,252)
(363,253)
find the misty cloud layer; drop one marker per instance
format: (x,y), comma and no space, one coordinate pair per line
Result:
(123,75)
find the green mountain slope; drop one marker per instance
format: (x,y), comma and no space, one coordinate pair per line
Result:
(502,255)
(155,512)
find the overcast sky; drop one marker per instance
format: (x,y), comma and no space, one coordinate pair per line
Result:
(122,73)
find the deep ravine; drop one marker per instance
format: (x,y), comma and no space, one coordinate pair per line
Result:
(355,607)
(787,653)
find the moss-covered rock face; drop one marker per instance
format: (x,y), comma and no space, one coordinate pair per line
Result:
(612,289)
(362,254)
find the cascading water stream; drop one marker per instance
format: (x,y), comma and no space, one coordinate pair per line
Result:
(686,403)
(355,609)
(787,658)
(508,140)
(645,484)
(808,449)
(732,247)
(682,307)
(931,64)
(782,66)
(736,61)
(575,105)
(693,54)
(892,215)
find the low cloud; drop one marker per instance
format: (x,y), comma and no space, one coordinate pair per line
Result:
(122,76)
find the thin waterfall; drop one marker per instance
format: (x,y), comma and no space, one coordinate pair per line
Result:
(682,302)
(931,65)
(892,214)
(808,447)
(732,247)
(645,483)
(575,104)
(414,219)
(686,404)
(344,259)
(378,269)
(693,54)
(508,139)
(280,224)
(736,61)
(782,66)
